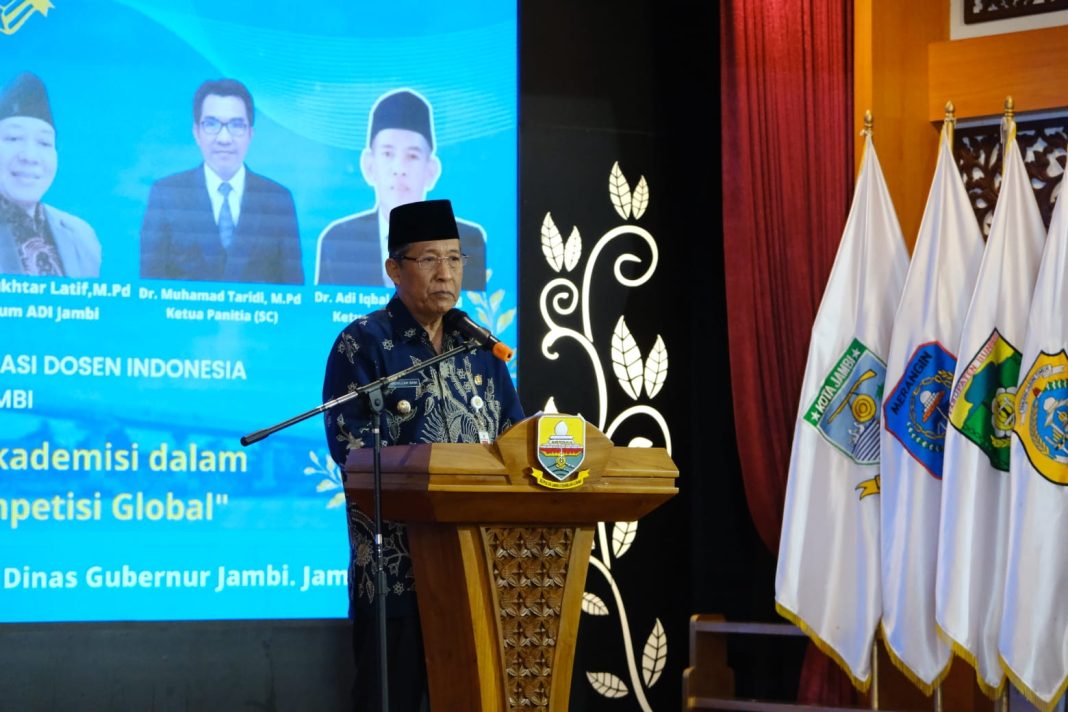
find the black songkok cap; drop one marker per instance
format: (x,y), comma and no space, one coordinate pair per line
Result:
(26,96)
(421,222)
(402,109)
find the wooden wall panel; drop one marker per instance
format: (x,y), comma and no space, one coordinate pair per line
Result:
(890,78)
(978,73)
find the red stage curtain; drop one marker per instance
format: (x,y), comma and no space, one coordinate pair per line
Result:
(787,81)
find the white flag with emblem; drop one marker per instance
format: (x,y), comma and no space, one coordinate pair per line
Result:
(919,374)
(975,474)
(1034,626)
(828,572)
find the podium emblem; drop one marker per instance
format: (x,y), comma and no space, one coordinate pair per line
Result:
(561,449)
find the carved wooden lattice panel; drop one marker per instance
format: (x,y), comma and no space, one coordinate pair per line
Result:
(529,568)
(979,157)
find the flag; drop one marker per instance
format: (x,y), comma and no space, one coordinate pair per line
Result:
(974,524)
(827,581)
(919,374)
(1034,626)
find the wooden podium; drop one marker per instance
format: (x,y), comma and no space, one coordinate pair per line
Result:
(500,561)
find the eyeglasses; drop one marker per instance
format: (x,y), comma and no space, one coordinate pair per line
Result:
(212,126)
(429,263)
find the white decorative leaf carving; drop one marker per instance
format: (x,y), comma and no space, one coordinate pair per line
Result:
(475,298)
(640,442)
(654,656)
(619,190)
(552,245)
(572,249)
(640,201)
(592,604)
(337,500)
(623,534)
(626,360)
(325,485)
(483,317)
(495,299)
(607,685)
(656,367)
(313,456)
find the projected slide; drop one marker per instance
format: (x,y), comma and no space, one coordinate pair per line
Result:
(191,199)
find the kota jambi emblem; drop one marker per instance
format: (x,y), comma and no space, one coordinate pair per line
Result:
(1042,416)
(846,408)
(13,15)
(561,448)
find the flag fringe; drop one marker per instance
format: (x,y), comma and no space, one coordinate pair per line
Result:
(926,688)
(1030,694)
(824,646)
(991,691)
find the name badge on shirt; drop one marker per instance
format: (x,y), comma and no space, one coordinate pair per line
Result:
(404,383)
(483,435)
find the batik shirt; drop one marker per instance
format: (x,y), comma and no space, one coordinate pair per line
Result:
(33,239)
(455,401)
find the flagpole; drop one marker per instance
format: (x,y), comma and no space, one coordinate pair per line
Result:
(875,643)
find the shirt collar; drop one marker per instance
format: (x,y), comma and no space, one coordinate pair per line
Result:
(406,328)
(214,181)
(12,213)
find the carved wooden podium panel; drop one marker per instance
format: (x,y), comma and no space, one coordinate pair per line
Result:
(500,561)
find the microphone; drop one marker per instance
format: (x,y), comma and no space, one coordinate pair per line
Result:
(456,320)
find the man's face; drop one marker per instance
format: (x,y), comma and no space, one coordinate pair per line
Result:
(27,160)
(400,167)
(428,294)
(223,152)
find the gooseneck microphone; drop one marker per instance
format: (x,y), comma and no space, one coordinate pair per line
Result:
(457,320)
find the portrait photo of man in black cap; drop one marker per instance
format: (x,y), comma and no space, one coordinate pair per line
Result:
(401,164)
(220,221)
(35,238)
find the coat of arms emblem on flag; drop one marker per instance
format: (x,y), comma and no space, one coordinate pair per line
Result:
(983,404)
(1042,416)
(916,411)
(561,449)
(846,409)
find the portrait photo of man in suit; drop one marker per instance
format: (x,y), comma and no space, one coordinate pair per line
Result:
(220,221)
(35,238)
(400,163)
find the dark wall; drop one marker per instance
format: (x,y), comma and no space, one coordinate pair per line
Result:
(638,82)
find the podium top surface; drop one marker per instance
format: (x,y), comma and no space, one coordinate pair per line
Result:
(453,482)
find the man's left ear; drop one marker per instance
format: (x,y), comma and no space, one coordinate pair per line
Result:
(433,172)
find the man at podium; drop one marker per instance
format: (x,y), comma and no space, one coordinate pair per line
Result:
(468,399)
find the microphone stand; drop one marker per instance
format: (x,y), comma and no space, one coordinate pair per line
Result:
(373,393)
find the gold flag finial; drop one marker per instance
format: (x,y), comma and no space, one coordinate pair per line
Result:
(1008,123)
(949,123)
(867,123)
